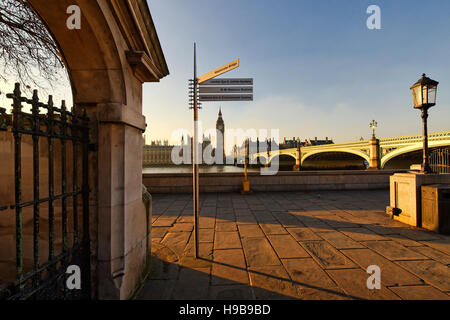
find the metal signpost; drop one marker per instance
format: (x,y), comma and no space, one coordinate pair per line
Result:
(234,90)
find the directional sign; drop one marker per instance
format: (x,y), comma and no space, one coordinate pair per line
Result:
(229,82)
(227,97)
(226,90)
(217,72)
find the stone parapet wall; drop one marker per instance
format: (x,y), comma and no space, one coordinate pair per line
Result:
(283,181)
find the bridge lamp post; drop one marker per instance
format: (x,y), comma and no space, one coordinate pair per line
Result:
(373,125)
(424,97)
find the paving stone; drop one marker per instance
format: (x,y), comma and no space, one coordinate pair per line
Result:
(157,290)
(318,226)
(339,240)
(163,263)
(181,227)
(185,291)
(287,219)
(228,267)
(319,212)
(264,216)
(250,231)
(224,211)
(206,222)
(434,254)
(337,222)
(312,282)
(176,241)
(286,247)
(441,245)
(383,229)
(227,240)
(391,274)
(164,221)
(434,273)
(240,205)
(303,234)
(205,235)
(361,234)
(186,219)
(159,232)
(226,226)
(246,220)
(326,255)
(231,292)
(274,281)
(272,228)
(243,212)
(354,283)
(419,293)
(415,234)
(393,250)
(205,249)
(258,252)
(224,218)
(404,241)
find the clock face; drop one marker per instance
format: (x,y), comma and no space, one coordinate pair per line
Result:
(220,127)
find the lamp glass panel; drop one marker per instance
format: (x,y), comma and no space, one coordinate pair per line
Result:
(417,96)
(432,94)
(424,94)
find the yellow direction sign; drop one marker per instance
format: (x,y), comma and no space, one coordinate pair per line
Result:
(217,72)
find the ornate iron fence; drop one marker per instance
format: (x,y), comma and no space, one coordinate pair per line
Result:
(52,236)
(440,160)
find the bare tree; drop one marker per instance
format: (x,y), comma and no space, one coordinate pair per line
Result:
(28,52)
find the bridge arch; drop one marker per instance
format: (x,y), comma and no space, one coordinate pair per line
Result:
(411,148)
(361,154)
(279,154)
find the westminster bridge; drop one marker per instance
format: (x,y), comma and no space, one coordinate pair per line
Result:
(377,153)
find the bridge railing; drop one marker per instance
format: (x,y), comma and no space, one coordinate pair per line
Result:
(442,135)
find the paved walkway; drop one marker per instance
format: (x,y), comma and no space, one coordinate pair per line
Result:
(292,245)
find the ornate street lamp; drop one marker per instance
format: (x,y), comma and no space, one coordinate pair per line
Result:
(373,125)
(424,97)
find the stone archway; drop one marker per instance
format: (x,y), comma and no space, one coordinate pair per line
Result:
(115,51)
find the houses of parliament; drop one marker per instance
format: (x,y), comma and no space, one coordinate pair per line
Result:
(159,153)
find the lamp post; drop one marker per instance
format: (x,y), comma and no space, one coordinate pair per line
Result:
(424,97)
(373,125)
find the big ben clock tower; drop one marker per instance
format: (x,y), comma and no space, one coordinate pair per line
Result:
(220,127)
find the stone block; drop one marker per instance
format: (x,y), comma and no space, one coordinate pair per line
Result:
(272,283)
(229,268)
(227,240)
(259,252)
(391,274)
(419,293)
(286,247)
(326,255)
(432,272)
(405,194)
(354,283)
(339,240)
(393,250)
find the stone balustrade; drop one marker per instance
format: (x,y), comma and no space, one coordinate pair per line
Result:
(283,181)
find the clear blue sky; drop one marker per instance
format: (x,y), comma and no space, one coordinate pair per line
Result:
(318,70)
